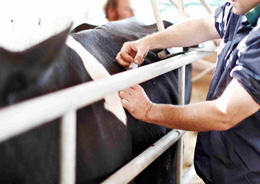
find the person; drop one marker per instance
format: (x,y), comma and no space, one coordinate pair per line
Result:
(228,144)
(118,10)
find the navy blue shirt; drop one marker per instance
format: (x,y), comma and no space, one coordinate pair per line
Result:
(233,156)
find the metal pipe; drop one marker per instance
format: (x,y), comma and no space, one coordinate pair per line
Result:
(138,164)
(203,73)
(181,85)
(35,112)
(203,2)
(157,16)
(159,24)
(68,148)
(181,101)
(206,6)
(174,3)
(181,9)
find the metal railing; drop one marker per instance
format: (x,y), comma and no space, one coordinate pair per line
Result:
(181,84)
(64,103)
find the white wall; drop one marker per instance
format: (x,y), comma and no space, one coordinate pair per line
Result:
(19,19)
(27,22)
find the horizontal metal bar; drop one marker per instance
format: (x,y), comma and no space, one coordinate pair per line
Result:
(203,73)
(138,164)
(35,112)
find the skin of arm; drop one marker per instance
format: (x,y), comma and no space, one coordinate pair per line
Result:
(234,105)
(185,33)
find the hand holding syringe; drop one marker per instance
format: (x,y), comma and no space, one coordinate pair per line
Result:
(132,54)
(132,66)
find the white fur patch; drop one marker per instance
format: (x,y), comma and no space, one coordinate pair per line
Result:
(97,71)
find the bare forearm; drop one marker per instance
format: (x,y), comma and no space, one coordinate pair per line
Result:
(233,106)
(185,33)
(203,116)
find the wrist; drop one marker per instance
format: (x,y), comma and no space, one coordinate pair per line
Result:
(147,41)
(149,115)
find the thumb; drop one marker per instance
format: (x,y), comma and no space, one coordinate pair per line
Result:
(139,58)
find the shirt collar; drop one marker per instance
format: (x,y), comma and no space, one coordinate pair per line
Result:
(253,15)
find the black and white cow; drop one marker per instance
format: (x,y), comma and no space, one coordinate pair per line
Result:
(104,143)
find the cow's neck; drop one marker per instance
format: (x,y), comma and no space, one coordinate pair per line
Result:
(97,71)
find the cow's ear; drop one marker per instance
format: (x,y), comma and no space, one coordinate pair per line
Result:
(45,52)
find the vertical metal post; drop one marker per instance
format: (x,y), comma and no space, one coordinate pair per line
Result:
(174,3)
(68,148)
(159,24)
(181,10)
(157,16)
(181,101)
(181,85)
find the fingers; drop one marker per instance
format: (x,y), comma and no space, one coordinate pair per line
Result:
(137,87)
(139,58)
(131,52)
(129,93)
(125,100)
(125,56)
(124,59)
(126,104)
(124,94)
(136,102)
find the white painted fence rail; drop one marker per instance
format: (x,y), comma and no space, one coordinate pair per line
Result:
(68,148)
(138,164)
(35,112)
(32,113)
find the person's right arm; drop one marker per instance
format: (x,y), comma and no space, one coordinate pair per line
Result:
(186,33)
(233,106)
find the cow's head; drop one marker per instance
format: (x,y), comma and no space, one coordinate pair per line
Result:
(19,71)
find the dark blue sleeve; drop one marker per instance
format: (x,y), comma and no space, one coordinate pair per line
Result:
(222,15)
(247,69)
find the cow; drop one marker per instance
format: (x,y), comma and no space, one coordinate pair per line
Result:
(82,27)
(104,143)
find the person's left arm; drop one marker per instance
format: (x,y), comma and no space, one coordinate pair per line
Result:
(234,105)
